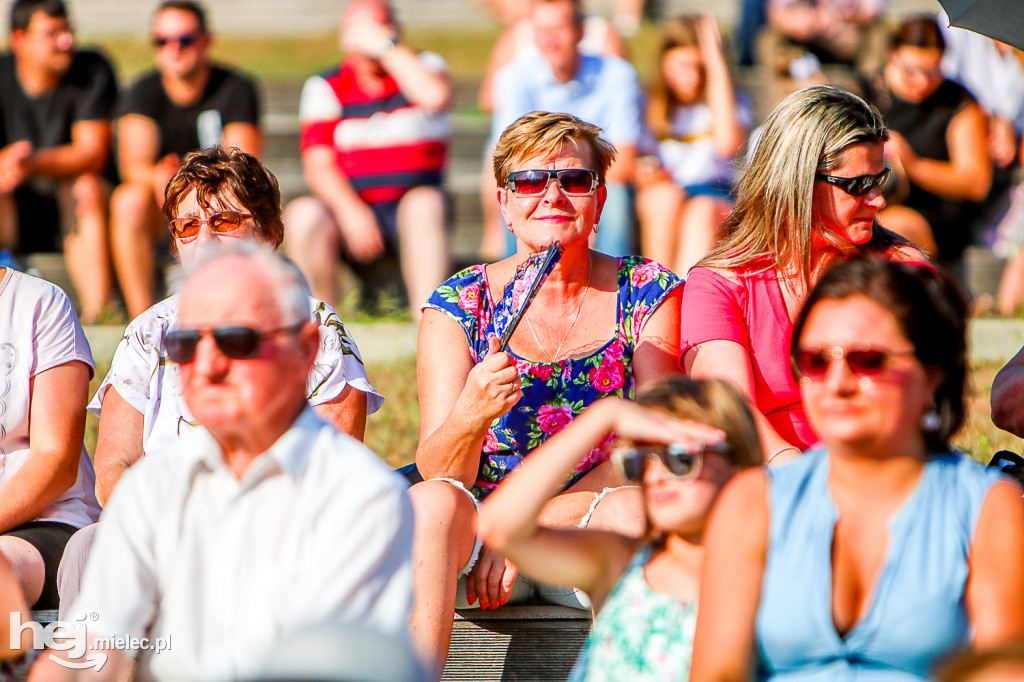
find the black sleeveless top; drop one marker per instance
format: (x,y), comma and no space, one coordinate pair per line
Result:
(924,126)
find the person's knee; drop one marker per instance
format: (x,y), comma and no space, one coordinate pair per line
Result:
(421,209)
(424,198)
(308,222)
(442,511)
(72,566)
(89,193)
(131,200)
(27,563)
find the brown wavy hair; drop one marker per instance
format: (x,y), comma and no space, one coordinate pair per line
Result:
(217,171)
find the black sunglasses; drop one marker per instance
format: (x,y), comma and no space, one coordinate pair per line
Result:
(182,41)
(575,182)
(682,462)
(187,229)
(858,186)
(865,362)
(235,341)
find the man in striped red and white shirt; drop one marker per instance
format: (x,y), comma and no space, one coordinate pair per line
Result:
(374,146)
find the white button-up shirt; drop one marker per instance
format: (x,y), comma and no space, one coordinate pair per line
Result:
(317,530)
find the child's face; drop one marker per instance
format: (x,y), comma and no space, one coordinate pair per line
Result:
(681,506)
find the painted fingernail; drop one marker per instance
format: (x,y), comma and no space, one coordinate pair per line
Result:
(471,600)
(483,604)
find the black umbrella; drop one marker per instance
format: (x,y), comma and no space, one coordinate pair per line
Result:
(999,19)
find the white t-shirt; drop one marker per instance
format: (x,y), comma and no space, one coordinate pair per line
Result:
(39,330)
(317,530)
(690,155)
(145,377)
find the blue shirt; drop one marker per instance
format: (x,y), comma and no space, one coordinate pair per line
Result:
(918,611)
(605,92)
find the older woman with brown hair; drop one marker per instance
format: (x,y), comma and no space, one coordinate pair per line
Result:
(599,326)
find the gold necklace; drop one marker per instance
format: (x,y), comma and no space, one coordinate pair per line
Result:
(572,324)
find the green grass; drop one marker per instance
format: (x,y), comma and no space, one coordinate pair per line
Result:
(290,57)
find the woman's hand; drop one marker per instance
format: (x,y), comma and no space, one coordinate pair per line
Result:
(491,579)
(493,386)
(709,40)
(643,425)
(898,149)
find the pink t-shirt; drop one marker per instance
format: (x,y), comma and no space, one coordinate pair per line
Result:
(751,312)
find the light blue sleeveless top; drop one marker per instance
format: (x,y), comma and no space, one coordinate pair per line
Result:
(918,612)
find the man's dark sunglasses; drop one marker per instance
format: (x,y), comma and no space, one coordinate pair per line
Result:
(235,341)
(858,186)
(182,41)
(681,461)
(576,182)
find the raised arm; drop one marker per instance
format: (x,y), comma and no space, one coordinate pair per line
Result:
(590,560)
(995,599)
(458,399)
(56,429)
(730,586)
(726,128)
(118,444)
(428,88)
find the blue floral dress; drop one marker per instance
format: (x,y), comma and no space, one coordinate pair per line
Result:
(554,392)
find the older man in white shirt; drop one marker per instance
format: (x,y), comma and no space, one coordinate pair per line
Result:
(265,521)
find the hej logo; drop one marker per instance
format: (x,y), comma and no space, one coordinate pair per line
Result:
(60,636)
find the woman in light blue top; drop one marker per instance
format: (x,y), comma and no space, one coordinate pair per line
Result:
(879,553)
(645,591)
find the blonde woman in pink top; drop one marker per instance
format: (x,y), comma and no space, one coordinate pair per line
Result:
(808,198)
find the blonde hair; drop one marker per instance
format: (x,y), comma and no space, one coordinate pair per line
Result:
(540,133)
(807,133)
(713,402)
(681,31)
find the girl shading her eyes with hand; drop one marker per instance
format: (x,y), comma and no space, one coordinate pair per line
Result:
(685,440)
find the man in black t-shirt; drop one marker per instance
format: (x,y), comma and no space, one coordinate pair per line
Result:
(186,103)
(55,109)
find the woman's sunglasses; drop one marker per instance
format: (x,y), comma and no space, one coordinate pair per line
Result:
(575,182)
(680,461)
(187,229)
(236,342)
(858,186)
(867,362)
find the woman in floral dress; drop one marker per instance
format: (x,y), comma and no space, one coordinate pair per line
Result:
(599,326)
